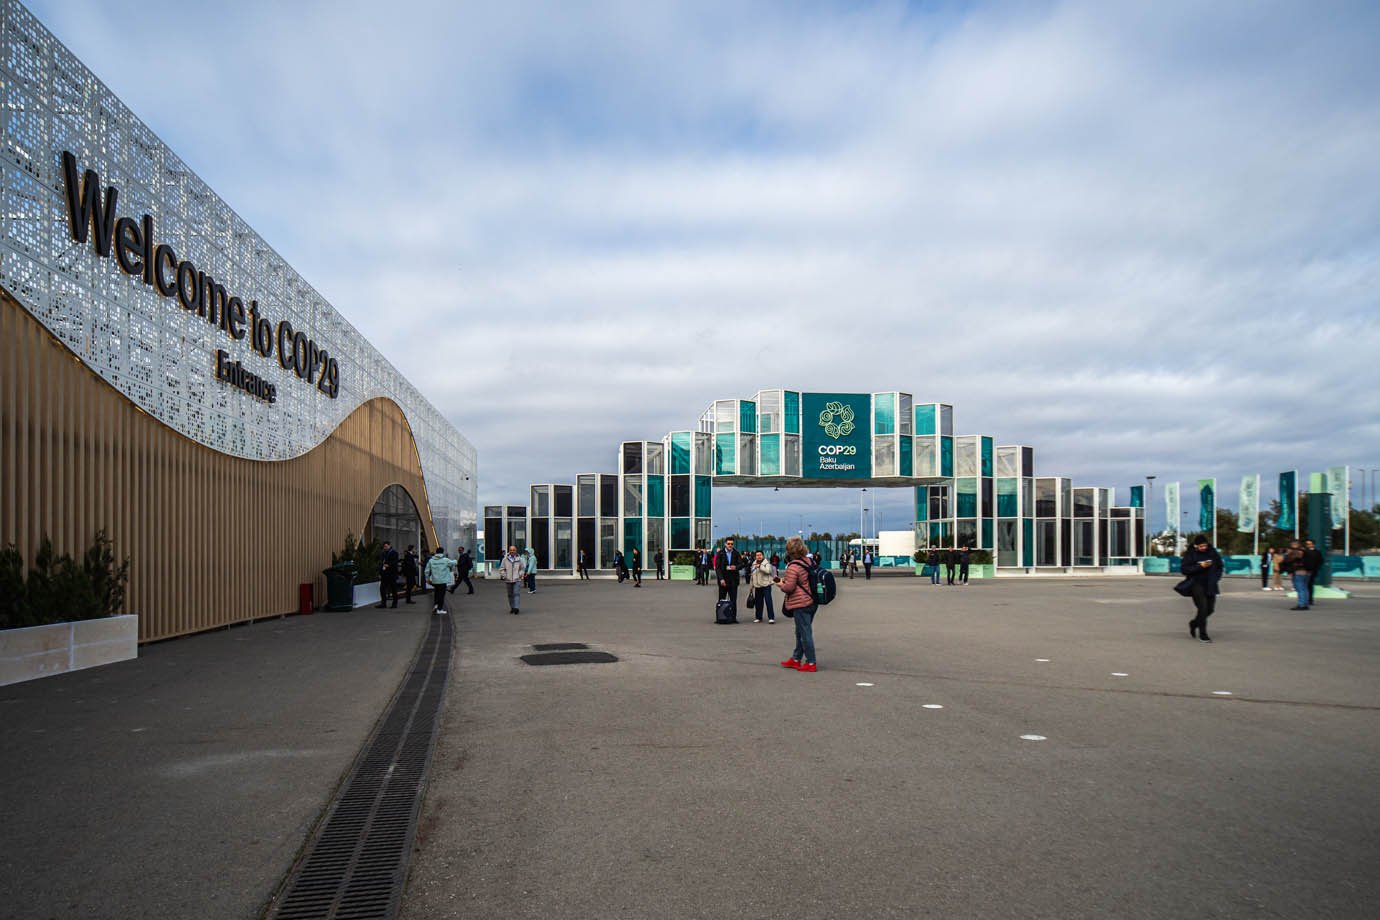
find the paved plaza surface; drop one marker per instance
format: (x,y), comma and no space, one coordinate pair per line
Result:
(695,777)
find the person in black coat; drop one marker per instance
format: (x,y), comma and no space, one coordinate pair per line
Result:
(410,570)
(464,564)
(388,576)
(964,559)
(950,561)
(1202,569)
(727,568)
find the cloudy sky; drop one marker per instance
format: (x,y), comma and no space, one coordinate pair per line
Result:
(1140,237)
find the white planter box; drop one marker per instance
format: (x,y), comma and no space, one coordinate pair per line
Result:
(367,594)
(40,651)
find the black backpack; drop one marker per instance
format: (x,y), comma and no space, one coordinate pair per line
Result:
(823,587)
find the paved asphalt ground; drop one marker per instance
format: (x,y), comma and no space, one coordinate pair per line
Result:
(697,778)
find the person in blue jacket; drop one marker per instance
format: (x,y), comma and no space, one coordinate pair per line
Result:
(1202,569)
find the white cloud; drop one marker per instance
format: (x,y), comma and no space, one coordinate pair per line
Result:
(1141,238)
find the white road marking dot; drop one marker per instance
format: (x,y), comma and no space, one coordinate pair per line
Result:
(1032,737)
(1042,659)
(1221,693)
(1120,674)
(932,706)
(862,684)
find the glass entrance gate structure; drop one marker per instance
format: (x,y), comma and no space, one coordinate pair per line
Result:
(969,490)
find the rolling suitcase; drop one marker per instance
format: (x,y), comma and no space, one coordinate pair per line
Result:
(723,612)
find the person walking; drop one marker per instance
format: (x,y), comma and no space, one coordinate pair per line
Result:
(1313,560)
(867,565)
(388,576)
(636,568)
(660,559)
(1277,565)
(799,604)
(1202,569)
(964,559)
(464,565)
(512,570)
(950,560)
(620,567)
(932,560)
(411,570)
(1265,558)
(763,576)
(726,569)
(439,569)
(529,569)
(582,565)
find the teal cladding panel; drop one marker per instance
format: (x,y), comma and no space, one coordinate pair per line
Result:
(680,452)
(792,406)
(946,456)
(656,496)
(725,454)
(907,455)
(926,421)
(769,455)
(704,489)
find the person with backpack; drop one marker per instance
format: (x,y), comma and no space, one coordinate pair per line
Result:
(799,603)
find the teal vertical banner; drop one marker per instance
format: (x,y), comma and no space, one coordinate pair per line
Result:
(1137,496)
(1207,504)
(836,436)
(1171,506)
(1288,501)
(1250,503)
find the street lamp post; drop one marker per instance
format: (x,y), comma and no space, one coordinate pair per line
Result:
(1149,492)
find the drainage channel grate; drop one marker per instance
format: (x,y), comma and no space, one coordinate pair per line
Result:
(568,658)
(558,646)
(356,864)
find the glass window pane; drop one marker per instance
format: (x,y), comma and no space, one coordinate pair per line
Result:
(987,456)
(922,503)
(1046,499)
(926,457)
(1083,503)
(725,414)
(585,499)
(564,539)
(680,452)
(747,416)
(704,453)
(792,399)
(703,490)
(966,456)
(608,495)
(965,491)
(680,496)
(680,533)
(1008,461)
(792,455)
(946,421)
(769,463)
(907,461)
(632,537)
(608,541)
(884,413)
(904,414)
(632,496)
(724,455)
(946,456)
(562,502)
(541,501)
(1008,499)
(632,457)
(925,418)
(884,456)
(656,496)
(656,458)
(769,412)
(747,455)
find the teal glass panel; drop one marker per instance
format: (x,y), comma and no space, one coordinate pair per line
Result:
(724,454)
(925,419)
(987,456)
(1008,498)
(986,533)
(703,490)
(1028,548)
(907,455)
(965,495)
(922,503)
(632,536)
(884,413)
(656,496)
(747,416)
(939,534)
(680,533)
(792,412)
(680,452)
(946,456)
(769,455)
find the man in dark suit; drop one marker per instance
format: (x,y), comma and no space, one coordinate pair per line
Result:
(729,562)
(388,575)
(950,563)
(463,565)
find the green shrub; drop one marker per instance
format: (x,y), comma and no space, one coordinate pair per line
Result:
(367,558)
(683,558)
(58,588)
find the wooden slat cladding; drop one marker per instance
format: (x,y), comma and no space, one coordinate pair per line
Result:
(212,539)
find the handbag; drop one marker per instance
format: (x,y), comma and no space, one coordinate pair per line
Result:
(1185,587)
(752,597)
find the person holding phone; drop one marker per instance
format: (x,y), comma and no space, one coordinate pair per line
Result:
(1202,568)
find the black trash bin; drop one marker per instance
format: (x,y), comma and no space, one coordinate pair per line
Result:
(340,586)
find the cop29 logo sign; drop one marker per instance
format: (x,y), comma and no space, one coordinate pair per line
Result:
(839,445)
(837,420)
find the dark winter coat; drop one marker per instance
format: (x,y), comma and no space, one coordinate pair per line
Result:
(1211,576)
